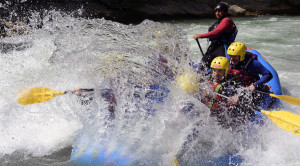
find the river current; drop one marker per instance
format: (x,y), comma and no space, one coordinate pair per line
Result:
(67,53)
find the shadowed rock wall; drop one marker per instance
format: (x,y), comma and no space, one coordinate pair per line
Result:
(134,11)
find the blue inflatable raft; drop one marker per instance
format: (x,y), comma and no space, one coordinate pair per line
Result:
(102,155)
(269,103)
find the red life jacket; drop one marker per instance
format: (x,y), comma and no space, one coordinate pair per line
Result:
(242,75)
(210,99)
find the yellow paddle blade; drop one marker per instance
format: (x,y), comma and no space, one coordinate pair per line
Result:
(285,120)
(36,95)
(176,162)
(288,99)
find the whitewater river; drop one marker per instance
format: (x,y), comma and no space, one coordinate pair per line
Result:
(67,53)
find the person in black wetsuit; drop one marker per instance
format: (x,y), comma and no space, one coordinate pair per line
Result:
(221,34)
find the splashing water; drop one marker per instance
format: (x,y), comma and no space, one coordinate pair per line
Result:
(68,53)
(127,60)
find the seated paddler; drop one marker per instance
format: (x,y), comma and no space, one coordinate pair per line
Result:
(248,70)
(224,96)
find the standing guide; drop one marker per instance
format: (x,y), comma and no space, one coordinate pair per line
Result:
(221,34)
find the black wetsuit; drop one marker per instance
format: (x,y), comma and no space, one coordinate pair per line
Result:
(217,45)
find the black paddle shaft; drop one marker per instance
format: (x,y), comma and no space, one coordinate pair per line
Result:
(82,90)
(200,47)
(87,90)
(262,92)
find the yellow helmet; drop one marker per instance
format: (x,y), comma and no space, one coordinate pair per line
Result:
(220,62)
(237,48)
(188,82)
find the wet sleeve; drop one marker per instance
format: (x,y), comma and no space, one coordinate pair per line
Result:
(265,74)
(225,24)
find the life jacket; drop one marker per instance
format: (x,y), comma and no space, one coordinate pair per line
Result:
(212,100)
(227,37)
(241,74)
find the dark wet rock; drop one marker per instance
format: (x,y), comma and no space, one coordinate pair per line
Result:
(294,2)
(134,11)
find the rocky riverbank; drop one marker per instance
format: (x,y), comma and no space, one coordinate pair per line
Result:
(134,11)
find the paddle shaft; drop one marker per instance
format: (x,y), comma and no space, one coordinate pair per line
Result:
(226,97)
(288,99)
(262,92)
(82,90)
(200,47)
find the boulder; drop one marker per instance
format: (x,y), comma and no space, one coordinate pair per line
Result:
(235,10)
